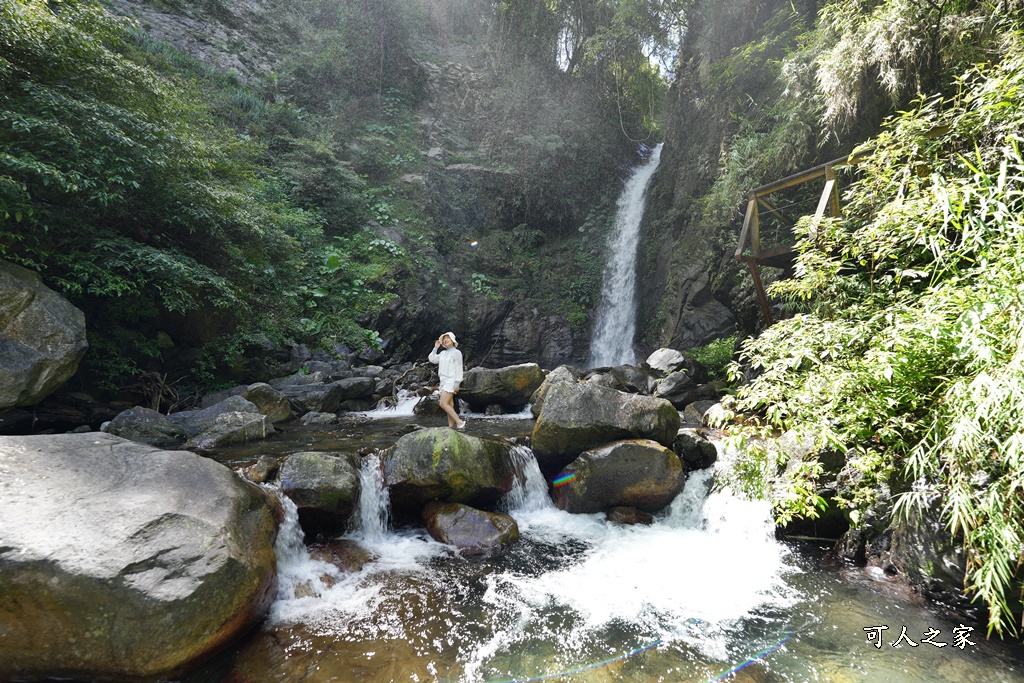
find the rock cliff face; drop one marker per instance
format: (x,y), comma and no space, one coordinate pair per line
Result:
(42,338)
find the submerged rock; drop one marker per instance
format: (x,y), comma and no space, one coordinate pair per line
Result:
(578,416)
(472,531)
(511,386)
(447,465)
(119,561)
(628,516)
(324,487)
(42,337)
(636,473)
(346,555)
(263,470)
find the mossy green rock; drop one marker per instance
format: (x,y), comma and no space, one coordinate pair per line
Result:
(119,561)
(447,465)
(637,473)
(324,487)
(578,416)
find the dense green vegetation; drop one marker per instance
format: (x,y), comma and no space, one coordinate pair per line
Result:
(127,191)
(191,212)
(905,350)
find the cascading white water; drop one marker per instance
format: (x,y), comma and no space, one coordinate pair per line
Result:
(697,595)
(405,402)
(294,565)
(615,325)
(374,501)
(529,490)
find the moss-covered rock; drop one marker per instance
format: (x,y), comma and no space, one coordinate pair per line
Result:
(446,465)
(325,489)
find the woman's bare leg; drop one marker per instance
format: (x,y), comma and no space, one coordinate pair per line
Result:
(449,409)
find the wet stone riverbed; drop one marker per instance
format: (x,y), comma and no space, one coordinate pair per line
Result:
(705,593)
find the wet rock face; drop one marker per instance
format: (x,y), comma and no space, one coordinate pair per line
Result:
(472,531)
(42,338)
(510,387)
(119,561)
(446,465)
(578,416)
(694,450)
(324,487)
(636,473)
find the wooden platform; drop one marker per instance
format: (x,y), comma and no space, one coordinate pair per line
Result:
(783,257)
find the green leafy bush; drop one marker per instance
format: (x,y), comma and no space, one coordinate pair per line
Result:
(908,352)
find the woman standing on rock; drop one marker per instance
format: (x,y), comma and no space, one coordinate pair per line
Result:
(449,368)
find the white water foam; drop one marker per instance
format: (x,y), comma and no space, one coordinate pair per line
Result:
(374,502)
(405,402)
(704,566)
(294,565)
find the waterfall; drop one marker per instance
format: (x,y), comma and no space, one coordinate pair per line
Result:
(615,324)
(374,502)
(295,568)
(529,490)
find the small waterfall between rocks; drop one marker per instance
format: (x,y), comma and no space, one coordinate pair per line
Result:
(530,490)
(615,325)
(374,501)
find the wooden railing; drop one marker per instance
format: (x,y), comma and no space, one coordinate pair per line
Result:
(783,256)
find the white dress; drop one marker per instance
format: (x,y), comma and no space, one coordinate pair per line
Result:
(449,367)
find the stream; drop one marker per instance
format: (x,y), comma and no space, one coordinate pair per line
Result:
(705,593)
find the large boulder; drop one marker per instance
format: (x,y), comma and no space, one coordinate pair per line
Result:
(194,422)
(267,400)
(232,428)
(578,416)
(324,487)
(472,531)
(563,373)
(510,387)
(119,561)
(447,465)
(628,378)
(313,398)
(326,398)
(42,338)
(636,473)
